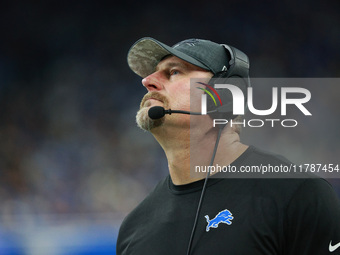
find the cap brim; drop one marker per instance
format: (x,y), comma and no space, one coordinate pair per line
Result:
(146,53)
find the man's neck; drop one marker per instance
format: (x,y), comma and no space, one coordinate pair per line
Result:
(184,151)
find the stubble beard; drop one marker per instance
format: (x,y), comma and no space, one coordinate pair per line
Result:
(142,118)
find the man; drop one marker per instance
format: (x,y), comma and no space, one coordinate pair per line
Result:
(232,215)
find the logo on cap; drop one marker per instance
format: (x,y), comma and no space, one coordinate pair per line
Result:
(189,42)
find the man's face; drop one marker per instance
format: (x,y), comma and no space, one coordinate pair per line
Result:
(169,87)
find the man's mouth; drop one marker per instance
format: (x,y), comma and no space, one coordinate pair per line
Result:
(153,99)
(150,101)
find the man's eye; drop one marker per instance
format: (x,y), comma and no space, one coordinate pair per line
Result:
(174,72)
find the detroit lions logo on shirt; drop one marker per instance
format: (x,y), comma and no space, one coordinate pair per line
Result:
(224,216)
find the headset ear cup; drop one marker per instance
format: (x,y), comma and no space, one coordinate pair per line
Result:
(226,98)
(225,112)
(221,78)
(236,72)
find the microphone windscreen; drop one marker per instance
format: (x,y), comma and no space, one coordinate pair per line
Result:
(156,112)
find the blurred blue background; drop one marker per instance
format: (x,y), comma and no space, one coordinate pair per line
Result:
(72,161)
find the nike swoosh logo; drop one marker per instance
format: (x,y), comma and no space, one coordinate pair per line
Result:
(333,247)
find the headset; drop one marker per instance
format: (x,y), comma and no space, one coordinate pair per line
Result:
(236,73)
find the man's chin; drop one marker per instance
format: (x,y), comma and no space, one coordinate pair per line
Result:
(145,122)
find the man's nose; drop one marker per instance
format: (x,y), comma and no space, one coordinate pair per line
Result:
(152,82)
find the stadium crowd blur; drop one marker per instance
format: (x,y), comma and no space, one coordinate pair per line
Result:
(68,140)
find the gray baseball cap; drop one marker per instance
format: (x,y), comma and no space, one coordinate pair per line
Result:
(146,53)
